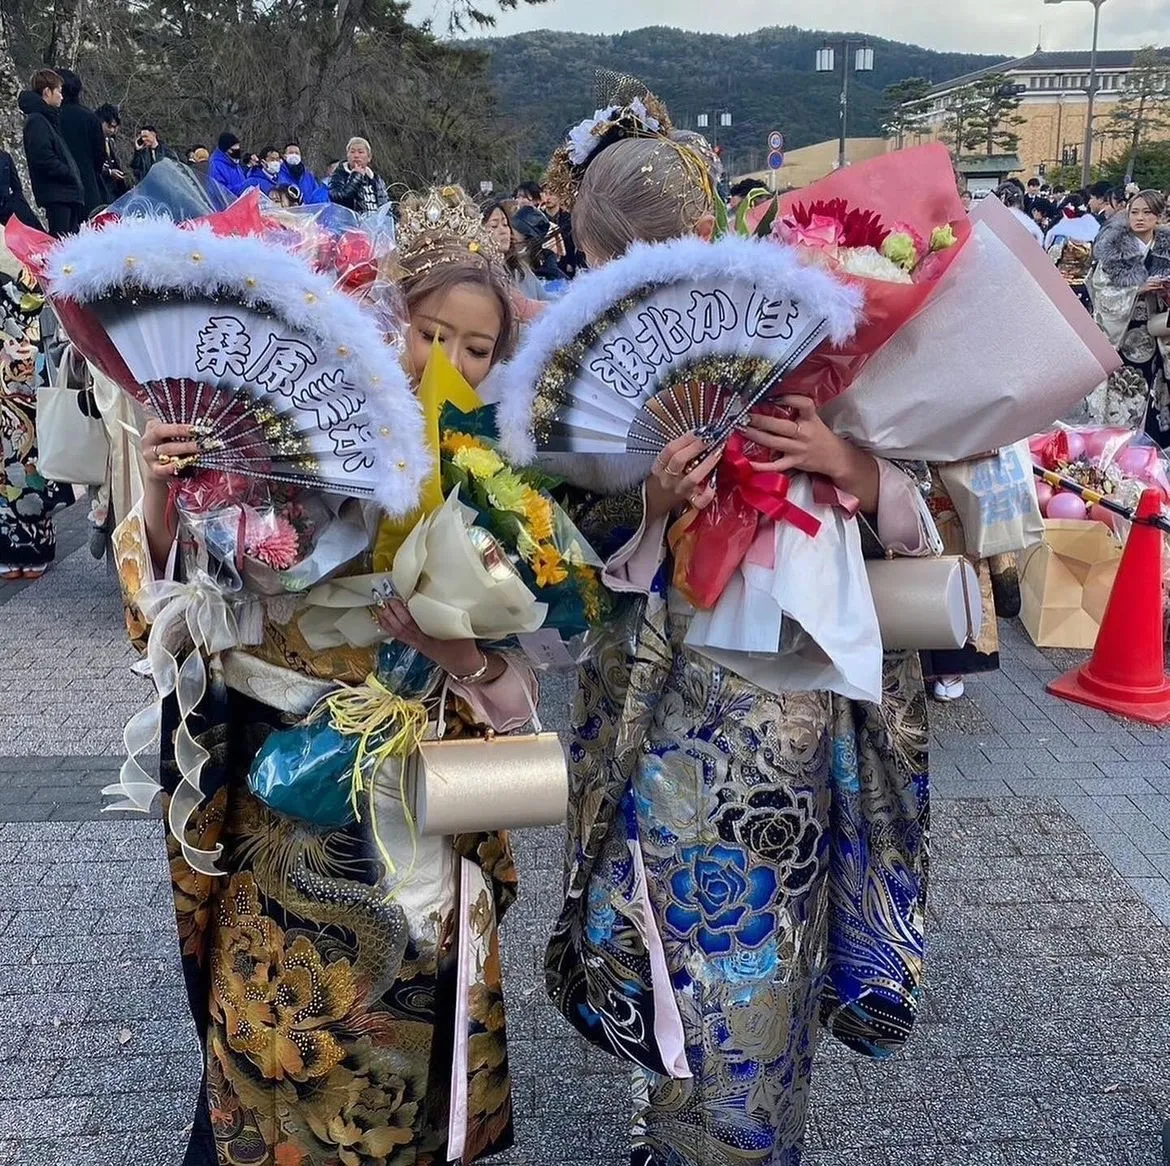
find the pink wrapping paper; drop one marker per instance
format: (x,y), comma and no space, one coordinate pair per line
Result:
(1000,351)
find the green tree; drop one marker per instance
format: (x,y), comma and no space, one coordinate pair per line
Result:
(1143,106)
(1148,166)
(904,107)
(961,127)
(996,101)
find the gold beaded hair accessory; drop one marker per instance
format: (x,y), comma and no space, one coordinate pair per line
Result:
(629,110)
(442,225)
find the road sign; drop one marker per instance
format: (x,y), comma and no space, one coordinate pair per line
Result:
(775,160)
(776,140)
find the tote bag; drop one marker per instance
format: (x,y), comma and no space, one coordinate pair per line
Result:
(72,445)
(995,499)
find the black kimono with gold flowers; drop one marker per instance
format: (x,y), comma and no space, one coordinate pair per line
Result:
(326,1008)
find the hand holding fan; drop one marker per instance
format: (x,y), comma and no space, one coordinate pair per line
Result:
(283,378)
(672,337)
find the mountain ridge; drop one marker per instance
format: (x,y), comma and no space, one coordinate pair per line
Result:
(766,79)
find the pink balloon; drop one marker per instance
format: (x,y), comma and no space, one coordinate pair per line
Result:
(1076,445)
(1043,495)
(1065,505)
(1137,460)
(1100,514)
(1097,439)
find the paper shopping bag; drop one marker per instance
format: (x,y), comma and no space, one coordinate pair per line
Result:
(995,499)
(1065,583)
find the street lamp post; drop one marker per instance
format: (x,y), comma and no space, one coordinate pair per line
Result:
(1087,154)
(721,118)
(862,63)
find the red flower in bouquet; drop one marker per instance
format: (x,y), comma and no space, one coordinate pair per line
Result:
(354,260)
(858,227)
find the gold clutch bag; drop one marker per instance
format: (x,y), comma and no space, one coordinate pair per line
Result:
(926,604)
(471,785)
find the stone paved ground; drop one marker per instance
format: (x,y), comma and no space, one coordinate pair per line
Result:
(1046,1029)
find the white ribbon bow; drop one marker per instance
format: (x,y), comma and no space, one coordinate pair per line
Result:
(188,620)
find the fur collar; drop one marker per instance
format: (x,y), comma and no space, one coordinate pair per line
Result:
(1118,252)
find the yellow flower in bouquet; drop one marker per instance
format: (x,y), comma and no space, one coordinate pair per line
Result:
(537,514)
(454,442)
(478,462)
(548,567)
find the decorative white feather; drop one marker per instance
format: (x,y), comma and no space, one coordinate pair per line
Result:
(156,256)
(773,269)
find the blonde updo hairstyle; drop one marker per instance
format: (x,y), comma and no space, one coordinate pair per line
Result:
(649,189)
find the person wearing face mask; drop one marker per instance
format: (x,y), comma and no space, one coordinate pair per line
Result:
(264,175)
(294,172)
(225,166)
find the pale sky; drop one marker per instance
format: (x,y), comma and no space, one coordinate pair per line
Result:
(1009,27)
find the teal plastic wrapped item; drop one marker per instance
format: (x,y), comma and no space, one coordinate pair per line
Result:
(305,773)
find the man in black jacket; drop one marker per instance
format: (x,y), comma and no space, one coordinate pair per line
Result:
(113,173)
(148,151)
(12,200)
(83,135)
(56,184)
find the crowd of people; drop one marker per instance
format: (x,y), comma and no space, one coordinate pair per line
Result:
(693,938)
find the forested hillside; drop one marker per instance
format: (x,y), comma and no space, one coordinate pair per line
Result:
(766,79)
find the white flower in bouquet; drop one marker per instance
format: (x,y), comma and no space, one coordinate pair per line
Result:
(583,137)
(869,263)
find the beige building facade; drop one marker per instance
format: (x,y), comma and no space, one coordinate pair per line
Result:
(1054,105)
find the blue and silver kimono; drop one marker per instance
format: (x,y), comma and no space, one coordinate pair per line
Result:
(743,869)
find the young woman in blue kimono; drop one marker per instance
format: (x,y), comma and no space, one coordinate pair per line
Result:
(743,866)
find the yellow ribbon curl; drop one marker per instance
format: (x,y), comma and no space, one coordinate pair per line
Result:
(370,712)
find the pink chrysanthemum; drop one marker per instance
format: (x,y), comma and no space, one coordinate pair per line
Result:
(273,540)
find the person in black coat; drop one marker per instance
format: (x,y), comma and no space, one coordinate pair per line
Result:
(12,200)
(113,172)
(56,183)
(82,132)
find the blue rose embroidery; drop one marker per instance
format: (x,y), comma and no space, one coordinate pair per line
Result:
(719,902)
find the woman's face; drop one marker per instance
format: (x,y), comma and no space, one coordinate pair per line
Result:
(358,157)
(500,229)
(466,320)
(1142,219)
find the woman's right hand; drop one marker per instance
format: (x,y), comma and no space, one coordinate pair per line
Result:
(163,445)
(677,479)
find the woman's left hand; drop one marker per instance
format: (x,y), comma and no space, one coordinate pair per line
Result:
(804,442)
(457,657)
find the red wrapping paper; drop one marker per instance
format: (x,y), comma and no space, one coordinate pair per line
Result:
(710,544)
(915,187)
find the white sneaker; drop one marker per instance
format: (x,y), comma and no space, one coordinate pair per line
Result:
(949,688)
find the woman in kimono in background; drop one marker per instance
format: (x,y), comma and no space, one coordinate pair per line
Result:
(28,542)
(323,990)
(719,832)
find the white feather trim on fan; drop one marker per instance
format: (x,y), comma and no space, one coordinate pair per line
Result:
(773,268)
(155,255)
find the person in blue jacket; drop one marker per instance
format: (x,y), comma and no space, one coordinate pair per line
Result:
(225,166)
(265,175)
(294,172)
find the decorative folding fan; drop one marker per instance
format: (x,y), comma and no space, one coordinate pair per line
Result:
(670,338)
(285,378)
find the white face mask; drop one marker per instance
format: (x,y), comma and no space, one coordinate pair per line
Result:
(293,159)
(272,167)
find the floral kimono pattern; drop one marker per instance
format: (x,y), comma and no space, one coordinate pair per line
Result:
(27,500)
(326,1005)
(728,852)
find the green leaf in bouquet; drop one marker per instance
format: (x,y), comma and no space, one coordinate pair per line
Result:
(478,423)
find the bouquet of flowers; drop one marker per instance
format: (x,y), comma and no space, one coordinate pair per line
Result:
(515,506)
(266,538)
(891,226)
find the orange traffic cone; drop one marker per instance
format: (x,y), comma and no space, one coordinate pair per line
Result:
(1126,674)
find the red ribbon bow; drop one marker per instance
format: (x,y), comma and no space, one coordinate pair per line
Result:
(763,490)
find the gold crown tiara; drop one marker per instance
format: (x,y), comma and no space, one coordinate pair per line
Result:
(441,225)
